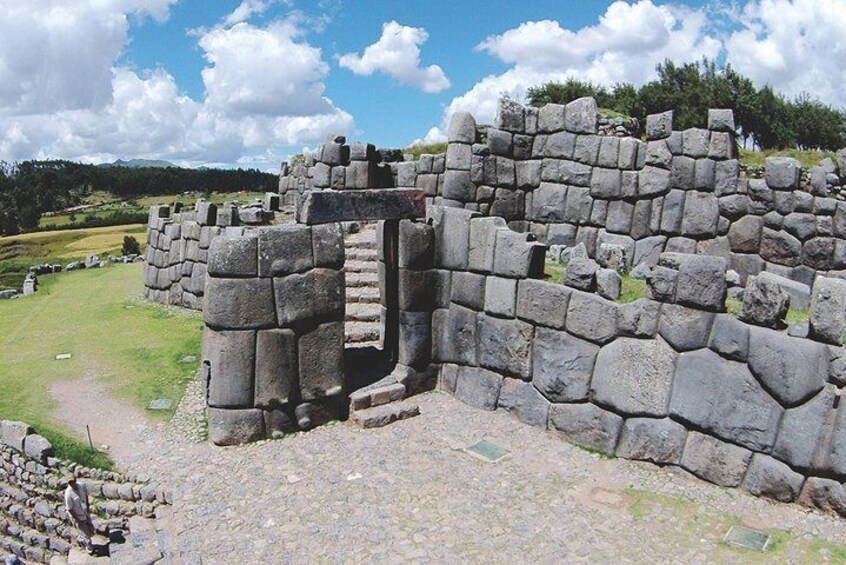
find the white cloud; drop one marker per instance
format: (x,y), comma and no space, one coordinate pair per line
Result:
(397,54)
(263,93)
(794,46)
(434,135)
(245,11)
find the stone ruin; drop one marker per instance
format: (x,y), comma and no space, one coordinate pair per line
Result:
(671,378)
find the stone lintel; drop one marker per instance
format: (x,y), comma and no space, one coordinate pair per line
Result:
(328,206)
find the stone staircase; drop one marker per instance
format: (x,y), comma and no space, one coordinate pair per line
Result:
(362,325)
(381,403)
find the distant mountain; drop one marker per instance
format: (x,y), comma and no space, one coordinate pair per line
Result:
(139,164)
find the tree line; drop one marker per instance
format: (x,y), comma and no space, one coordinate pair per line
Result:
(764,117)
(30,188)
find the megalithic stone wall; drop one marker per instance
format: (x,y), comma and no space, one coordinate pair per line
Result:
(672,379)
(274,339)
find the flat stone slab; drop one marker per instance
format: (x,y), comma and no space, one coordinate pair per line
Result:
(160,404)
(327,206)
(747,537)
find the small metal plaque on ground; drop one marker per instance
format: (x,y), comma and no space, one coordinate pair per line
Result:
(487,451)
(161,404)
(747,537)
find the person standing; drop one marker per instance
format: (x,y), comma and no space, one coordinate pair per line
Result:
(76,503)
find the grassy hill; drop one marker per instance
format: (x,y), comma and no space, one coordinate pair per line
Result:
(143,351)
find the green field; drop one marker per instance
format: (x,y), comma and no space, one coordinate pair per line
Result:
(808,158)
(143,351)
(19,252)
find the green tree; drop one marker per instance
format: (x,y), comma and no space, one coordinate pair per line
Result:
(130,246)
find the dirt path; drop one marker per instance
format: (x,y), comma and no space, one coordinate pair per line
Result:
(113,422)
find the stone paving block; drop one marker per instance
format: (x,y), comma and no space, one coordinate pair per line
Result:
(230,355)
(660,441)
(321,361)
(587,425)
(715,461)
(634,377)
(276,367)
(478,387)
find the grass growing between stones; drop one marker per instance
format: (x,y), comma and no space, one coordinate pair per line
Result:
(431,148)
(631,289)
(703,530)
(807,158)
(136,349)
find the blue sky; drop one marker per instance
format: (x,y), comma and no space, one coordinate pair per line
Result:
(249,82)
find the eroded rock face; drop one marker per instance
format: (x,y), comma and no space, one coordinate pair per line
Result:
(792,369)
(764,303)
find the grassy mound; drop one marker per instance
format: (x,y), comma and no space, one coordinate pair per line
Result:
(142,351)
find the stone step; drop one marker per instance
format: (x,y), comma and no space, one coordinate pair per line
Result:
(355,266)
(363,344)
(363,312)
(385,393)
(361,240)
(358,332)
(363,294)
(386,414)
(354,280)
(359,254)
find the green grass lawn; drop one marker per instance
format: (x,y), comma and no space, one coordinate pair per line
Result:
(95,315)
(19,252)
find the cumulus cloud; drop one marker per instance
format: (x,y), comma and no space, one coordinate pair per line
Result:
(245,11)
(434,135)
(263,92)
(397,54)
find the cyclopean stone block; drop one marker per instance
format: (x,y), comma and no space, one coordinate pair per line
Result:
(581,115)
(462,128)
(730,338)
(505,346)
(417,290)
(468,289)
(238,304)
(284,250)
(765,303)
(639,318)
(276,367)
(542,303)
(701,212)
(233,427)
(500,296)
(235,257)
(828,310)
(802,428)
(327,206)
(634,377)
(660,441)
(454,335)
(792,369)
(702,282)
(825,494)
(38,448)
(478,387)
(415,339)
(723,398)
(517,257)
(782,173)
(317,294)
(230,356)
(452,236)
(587,425)
(659,126)
(773,479)
(327,242)
(13,433)
(591,317)
(721,120)
(715,461)
(685,328)
(416,245)
(321,361)
(562,365)
(459,186)
(525,402)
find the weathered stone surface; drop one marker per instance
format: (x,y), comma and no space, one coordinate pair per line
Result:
(701,282)
(459,186)
(560,145)
(549,202)
(800,294)
(771,478)
(701,212)
(581,115)
(38,448)
(286,249)
(482,243)
(764,303)
(551,118)
(276,367)
(321,207)
(523,400)
(720,120)
(233,427)
(715,461)
(516,256)
(605,183)
(682,172)
(13,433)
(835,460)
(695,142)
(234,257)
(685,328)
(587,425)
(801,225)
(639,318)
(745,234)
(510,115)
(239,303)
(506,346)
(478,387)
(723,398)
(591,317)
(468,289)
(825,494)
(500,296)
(792,369)
(782,173)
(649,439)
(415,339)
(801,429)
(562,365)
(462,128)
(458,155)
(321,361)
(608,284)
(327,246)
(417,290)
(730,338)
(452,235)
(541,302)
(634,376)
(828,310)
(659,126)
(319,293)
(454,335)
(580,273)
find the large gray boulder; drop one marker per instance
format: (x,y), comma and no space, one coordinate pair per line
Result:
(543,303)
(506,346)
(562,365)
(38,448)
(800,293)
(587,425)
(236,257)
(764,303)
(828,310)
(701,282)
(13,433)
(233,427)
(478,387)
(723,398)
(685,328)
(635,377)
(581,115)
(592,317)
(639,318)
(715,461)
(801,429)
(660,441)
(462,128)
(772,478)
(229,355)
(659,126)
(825,494)
(580,273)
(730,338)
(792,369)
(782,173)
(523,400)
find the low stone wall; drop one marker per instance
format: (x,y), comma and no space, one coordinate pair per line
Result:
(33,522)
(671,379)
(274,339)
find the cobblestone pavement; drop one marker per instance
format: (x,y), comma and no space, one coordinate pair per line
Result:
(408,493)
